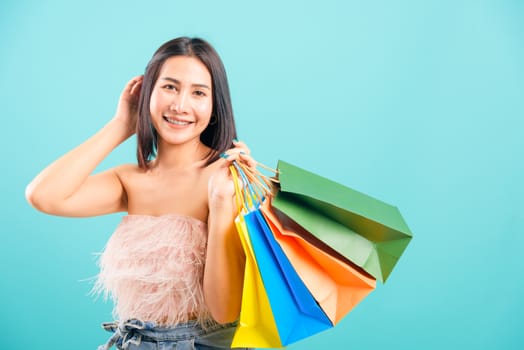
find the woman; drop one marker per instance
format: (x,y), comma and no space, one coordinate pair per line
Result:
(174,266)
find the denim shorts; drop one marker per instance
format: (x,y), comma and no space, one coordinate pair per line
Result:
(138,335)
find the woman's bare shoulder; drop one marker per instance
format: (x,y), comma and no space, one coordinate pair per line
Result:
(128,168)
(214,165)
(126,171)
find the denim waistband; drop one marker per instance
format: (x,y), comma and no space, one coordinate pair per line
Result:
(135,331)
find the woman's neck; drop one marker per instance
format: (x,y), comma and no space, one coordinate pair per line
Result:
(178,157)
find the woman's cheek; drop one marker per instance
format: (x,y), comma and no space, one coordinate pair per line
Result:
(203,107)
(153,103)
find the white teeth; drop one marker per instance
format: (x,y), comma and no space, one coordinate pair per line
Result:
(176,122)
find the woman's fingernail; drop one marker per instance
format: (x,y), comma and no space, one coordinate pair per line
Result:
(235,140)
(243,153)
(223,155)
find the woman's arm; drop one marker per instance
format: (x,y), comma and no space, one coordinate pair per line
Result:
(224,271)
(67,188)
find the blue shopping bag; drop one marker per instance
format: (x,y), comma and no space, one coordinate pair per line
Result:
(297,314)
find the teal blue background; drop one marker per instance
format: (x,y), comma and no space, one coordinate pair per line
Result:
(418,103)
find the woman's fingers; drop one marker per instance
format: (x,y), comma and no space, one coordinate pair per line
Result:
(239,149)
(135,90)
(248,160)
(239,156)
(241,145)
(134,85)
(240,153)
(132,82)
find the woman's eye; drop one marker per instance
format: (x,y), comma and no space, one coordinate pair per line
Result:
(169,87)
(200,93)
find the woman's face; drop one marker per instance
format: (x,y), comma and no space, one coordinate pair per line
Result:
(182,101)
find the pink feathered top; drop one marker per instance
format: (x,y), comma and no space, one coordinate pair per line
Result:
(153,266)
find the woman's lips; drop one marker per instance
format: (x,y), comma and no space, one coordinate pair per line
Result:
(175,121)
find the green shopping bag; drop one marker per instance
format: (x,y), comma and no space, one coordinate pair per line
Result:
(368,232)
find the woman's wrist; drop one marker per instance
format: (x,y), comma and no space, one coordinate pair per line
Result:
(224,211)
(120,128)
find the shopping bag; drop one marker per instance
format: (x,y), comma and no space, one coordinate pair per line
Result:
(336,285)
(256,326)
(297,314)
(295,311)
(368,232)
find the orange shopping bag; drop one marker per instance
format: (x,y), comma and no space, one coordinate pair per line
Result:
(338,286)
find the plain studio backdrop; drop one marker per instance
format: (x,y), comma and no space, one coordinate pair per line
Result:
(417,103)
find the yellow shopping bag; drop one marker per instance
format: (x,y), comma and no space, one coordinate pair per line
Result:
(256,327)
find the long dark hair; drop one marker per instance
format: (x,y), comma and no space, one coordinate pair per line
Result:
(220,132)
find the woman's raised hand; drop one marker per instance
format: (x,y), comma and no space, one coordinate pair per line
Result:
(127,110)
(68,187)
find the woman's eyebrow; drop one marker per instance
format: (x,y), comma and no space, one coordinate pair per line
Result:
(173,80)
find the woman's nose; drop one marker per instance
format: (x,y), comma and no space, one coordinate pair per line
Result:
(179,102)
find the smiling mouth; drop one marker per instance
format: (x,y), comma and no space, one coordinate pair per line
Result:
(175,121)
